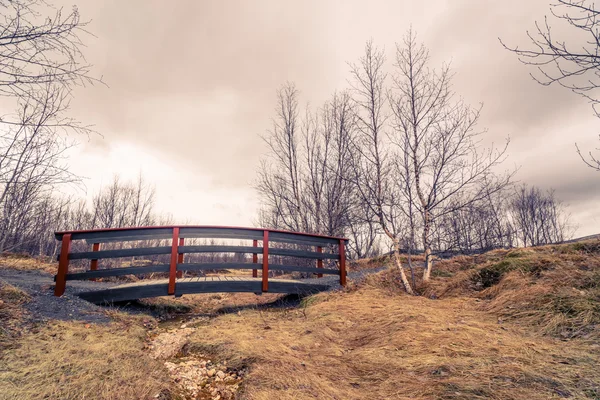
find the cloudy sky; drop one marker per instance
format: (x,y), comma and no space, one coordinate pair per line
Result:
(191,87)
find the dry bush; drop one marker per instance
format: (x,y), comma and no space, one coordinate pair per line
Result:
(68,360)
(374,344)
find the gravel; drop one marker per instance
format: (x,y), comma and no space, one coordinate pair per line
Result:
(45,306)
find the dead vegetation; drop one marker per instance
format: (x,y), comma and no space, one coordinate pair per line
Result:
(11,313)
(25,262)
(509,324)
(372,343)
(74,360)
(553,288)
(69,360)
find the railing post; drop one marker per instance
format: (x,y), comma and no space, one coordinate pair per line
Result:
(173,265)
(180,258)
(255,259)
(319,261)
(94,262)
(63,265)
(342,262)
(265,260)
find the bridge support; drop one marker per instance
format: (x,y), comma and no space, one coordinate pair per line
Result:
(265,260)
(94,262)
(342,262)
(63,265)
(320,261)
(173,264)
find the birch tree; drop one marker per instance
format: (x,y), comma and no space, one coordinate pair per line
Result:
(445,166)
(374,165)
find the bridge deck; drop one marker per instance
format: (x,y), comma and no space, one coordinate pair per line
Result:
(208,284)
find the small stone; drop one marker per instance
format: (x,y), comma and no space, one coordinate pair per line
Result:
(221,374)
(183,326)
(212,372)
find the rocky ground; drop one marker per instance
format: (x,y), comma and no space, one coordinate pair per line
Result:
(196,374)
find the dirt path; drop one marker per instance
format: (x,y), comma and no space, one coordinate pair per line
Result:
(45,306)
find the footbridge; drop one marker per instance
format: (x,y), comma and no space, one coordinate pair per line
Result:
(257,261)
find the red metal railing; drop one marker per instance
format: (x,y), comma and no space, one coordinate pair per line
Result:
(177,249)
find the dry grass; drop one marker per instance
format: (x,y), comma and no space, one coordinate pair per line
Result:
(25,262)
(373,263)
(554,288)
(81,361)
(73,360)
(516,324)
(374,344)
(11,313)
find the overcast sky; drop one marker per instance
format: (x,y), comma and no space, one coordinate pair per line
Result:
(192,84)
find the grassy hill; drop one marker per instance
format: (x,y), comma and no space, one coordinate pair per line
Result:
(516,324)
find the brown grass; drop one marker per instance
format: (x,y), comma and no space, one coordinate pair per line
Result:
(554,288)
(11,313)
(373,263)
(375,344)
(74,360)
(80,361)
(509,324)
(25,262)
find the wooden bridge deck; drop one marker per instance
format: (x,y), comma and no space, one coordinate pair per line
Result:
(215,284)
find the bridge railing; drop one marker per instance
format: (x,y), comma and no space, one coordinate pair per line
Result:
(335,250)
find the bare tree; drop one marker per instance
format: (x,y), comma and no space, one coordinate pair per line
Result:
(373,166)
(40,45)
(32,158)
(123,204)
(304,181)
(480,226)
(40,62)
(539,218)
(573,64)
(328,163)
(279,179)
(445,167)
